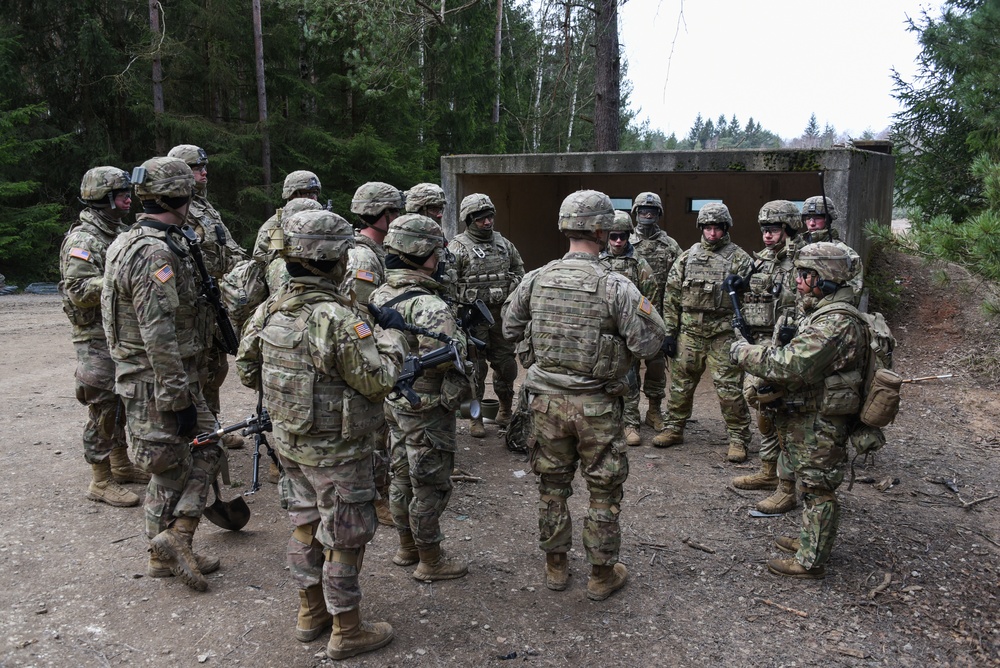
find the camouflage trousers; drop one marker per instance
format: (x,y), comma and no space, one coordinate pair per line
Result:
(422,447)
(181,475)
(631,410)
(584,430)
(817,452)
(95,381)
(380,460)
(654,385)
(499,352)
(694,353)
(771,447)
(331,508)
(216,368)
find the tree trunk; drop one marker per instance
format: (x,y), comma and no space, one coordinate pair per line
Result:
(258,50)
(496,63)
(158,107)
(607,79)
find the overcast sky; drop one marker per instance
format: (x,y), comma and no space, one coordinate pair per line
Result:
(775,60)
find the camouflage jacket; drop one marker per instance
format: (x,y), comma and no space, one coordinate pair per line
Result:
(262,244)
(830,235)
(660,251)
(589,325)
(365,268)
(156,321)
(826,344)
(487,269)
(323,370)
(695,300)
(81,265)
(635,269)
(771,291)
(220,258)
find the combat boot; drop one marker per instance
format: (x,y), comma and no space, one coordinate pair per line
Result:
(273,473)
(766,478)
(407,553)
(793,569)
(505,413)
(382,512)
(351,636)
(737,452)
(103,488)
(157,568)
(314,618)
(667,438)
(605,581)
(232,441)
(556,570)
(476,428)
(123,470)
(654,417)
(787,544)
(781,501)
(632,436)
(173,546)
(435,565)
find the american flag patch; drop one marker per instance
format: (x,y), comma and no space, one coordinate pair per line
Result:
(645,306)
(80,253)
(365,275)
(362,330)
(164,274)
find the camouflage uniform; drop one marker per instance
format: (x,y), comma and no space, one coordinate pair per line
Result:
(584,326)
(697,311)
(829,234)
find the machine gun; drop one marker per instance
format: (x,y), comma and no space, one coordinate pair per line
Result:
(210,289)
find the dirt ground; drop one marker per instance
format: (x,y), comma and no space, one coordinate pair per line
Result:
(913,579)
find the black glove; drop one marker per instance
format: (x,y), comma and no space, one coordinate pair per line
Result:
(387,318)
(734,283)
(669,346)
(187,420)
(786,333)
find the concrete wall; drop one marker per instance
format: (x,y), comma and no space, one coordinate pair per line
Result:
(527,189)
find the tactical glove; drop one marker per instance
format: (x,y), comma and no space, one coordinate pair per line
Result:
(187,420)
(669,346)
(387,318)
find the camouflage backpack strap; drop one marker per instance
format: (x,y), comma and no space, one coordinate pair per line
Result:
(406,296)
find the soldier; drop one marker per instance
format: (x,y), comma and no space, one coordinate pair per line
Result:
(422,438)
(820,371)
(106,194)
(818,214)
(325,375)
(698,315)
(770,298)
(584,326)
(427,199)
(155,321)
(376,205)
(221,253)
(619,257)
(488,267)
(654,246)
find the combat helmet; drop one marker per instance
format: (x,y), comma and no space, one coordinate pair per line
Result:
(316,236)
(194,156)
(817,205)
(715,213)
(99,186)
(621,223)
(163,177)
(374,197)
(299,204)
(586,211)
(647,199)
(476,203)
(781,212)
(413,236)
(424,195)
(300,180)
(831,261)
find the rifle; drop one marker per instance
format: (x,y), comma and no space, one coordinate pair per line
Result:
(256,425)
(210,289)
(739,322)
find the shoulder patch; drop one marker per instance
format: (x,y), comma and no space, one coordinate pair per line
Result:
(164,273)
(365,275)
(362,330)
(80,253)
(645,306)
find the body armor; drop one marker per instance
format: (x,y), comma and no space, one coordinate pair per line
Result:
(769,293)
(487,276)
(704,274)
(91,236)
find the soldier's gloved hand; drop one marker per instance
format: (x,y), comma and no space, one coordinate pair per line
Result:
(735,348)
(387,318)
(187,420)
(734,283)
(669,346)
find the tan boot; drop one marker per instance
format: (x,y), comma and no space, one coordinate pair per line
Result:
(766,478)
(123,470)
(632,437)
(232,441)
(351,636)
(556,570)
(314,618)
(476,428)
(793,569)
(383,513)
(787,544)
(174,547)
(781,501)
(737,452)
(435,565)
(157,568)
(406,554)
(654,416)
(667,438)
(605,581)
(273,473)
(505,413)
(103,488)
